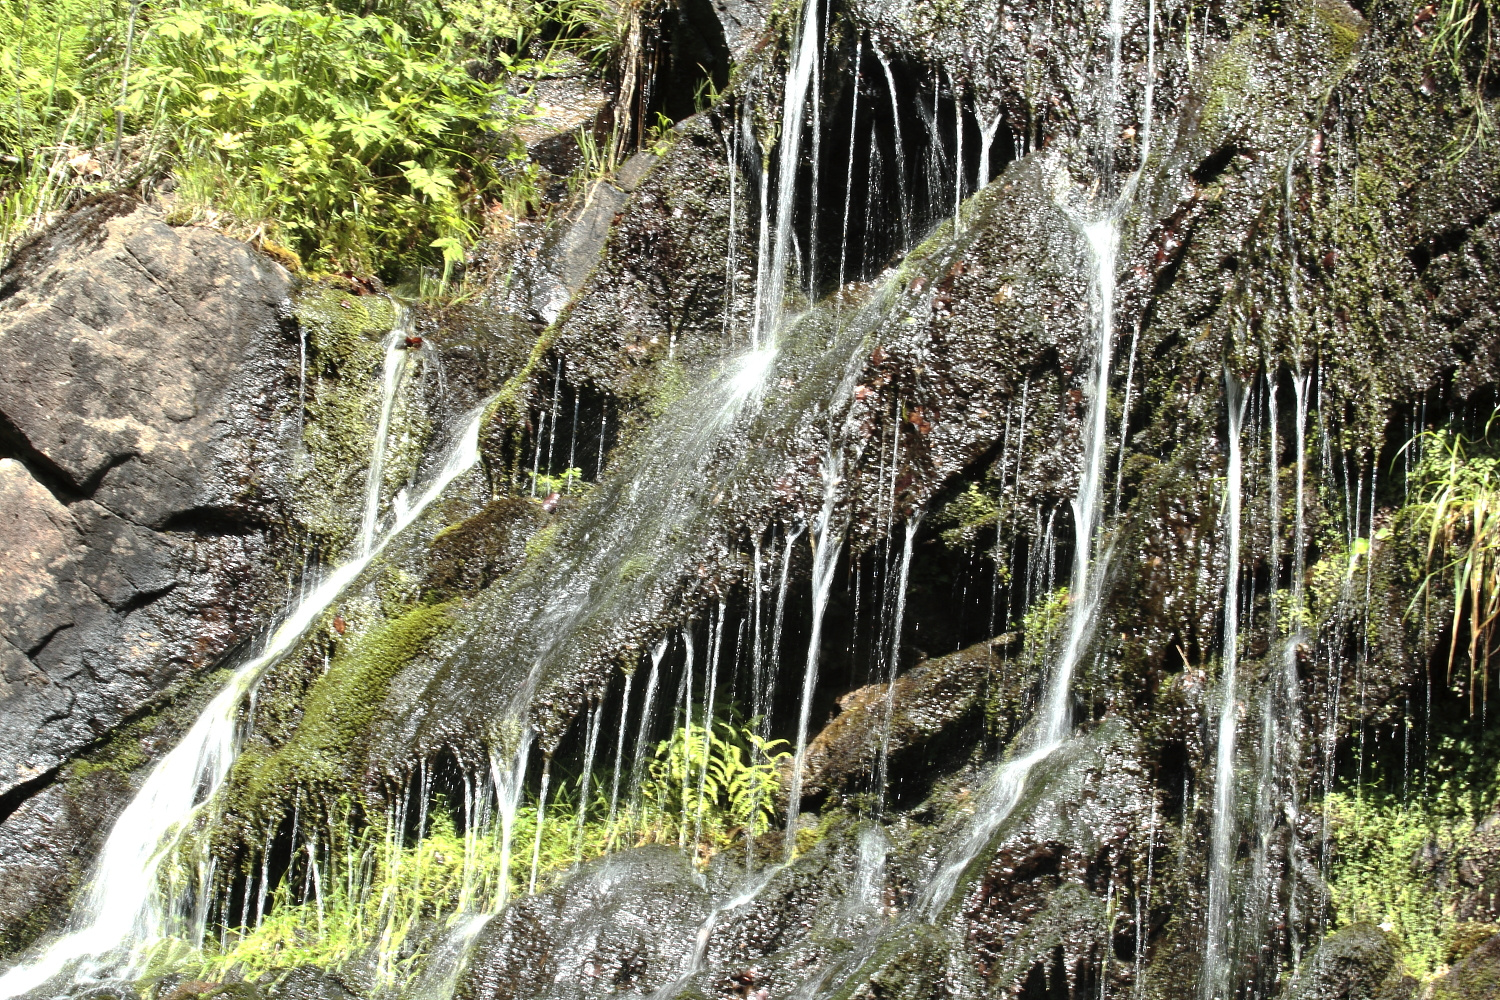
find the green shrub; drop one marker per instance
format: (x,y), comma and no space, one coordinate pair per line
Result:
(1396,866)
(374,896)
(1456,514)
(709,789)
(364,136)
(1462,37)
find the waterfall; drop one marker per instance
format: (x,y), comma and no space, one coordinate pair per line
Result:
(447,961)
(1216,961)
(890,83)
(614,785)
(122,913)
(882,779)
(799,79)
(859,50)
(392,369)
(638,762)
(827,542)
(1052,726)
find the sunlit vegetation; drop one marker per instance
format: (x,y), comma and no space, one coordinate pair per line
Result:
(361,137)
(1457,509)
(364,892)
(1462,35)
(1398,866)
(1404,847)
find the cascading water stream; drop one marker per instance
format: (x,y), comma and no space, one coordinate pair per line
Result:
(392,369)
(122,914)
(882,778)
(771,311)
(905,203)
(442,970)
(828,539)
(1053,725)
(1216,961)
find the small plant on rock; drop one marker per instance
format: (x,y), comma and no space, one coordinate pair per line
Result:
(1458,510)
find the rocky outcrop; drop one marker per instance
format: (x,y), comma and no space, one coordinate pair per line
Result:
(619,926)
(1352,964)
(661,296)
(936,705)
(1477,976)
(144,375)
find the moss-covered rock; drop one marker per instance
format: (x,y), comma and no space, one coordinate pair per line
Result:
(1352,964)
(1476,976)
(935,709)
(325,754)
(471,555)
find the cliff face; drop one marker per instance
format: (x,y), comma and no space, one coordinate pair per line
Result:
(1086,519)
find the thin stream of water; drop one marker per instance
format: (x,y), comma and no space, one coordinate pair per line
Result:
(799,81)
(828,540)
(1217,962)
(123,913)
(882,778)
(392,369)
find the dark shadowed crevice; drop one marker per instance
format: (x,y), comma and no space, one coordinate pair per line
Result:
(1212,166)
(145,598)
(14,445)
(18,795)
(44,641)
(1448,241)
(212,522)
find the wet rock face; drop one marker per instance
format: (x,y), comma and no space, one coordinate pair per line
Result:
(659,293)
(143,371)
(620,926)
(45,848)
(935,705)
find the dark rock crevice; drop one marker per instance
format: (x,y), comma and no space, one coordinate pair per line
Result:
(15,796)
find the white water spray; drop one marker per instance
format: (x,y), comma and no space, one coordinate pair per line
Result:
(882,778)
(1216,964)
(123,913)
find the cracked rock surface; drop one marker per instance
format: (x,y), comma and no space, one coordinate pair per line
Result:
(145,375)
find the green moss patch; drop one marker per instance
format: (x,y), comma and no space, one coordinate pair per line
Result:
(324,751)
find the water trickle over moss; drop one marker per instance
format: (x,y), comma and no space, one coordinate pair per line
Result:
(339,708)
(344,355)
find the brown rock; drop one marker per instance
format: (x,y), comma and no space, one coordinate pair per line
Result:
(932,702)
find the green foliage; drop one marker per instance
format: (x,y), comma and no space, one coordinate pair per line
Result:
(371,896)
(61,62)
(363,136)
(351,131)
(1043,621)
(1462,38)
(1330,582)
(568,481)
(1457,508)
(968,512)
(709,788)
(1382,873)
(594,30)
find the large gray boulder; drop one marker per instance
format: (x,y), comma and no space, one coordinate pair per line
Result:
(147,384)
